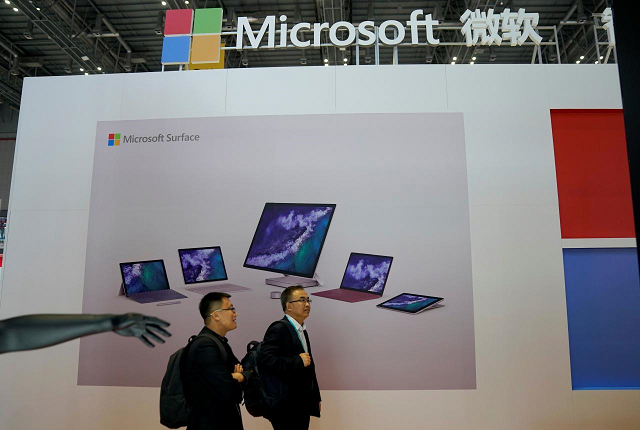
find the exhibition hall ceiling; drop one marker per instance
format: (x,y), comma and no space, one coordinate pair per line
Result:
(61,37)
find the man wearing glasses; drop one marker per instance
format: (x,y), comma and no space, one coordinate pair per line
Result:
(286,354)
(213,378)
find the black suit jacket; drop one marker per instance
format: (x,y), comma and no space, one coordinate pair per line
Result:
(280,357)
(209,387)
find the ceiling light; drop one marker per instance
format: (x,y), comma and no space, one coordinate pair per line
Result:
(81,69)
(472,62)
(602,57)
(597,62)
(326,60)
(37,8)
(326,65)
(15,9)
(7,1)
(582,57)
(345,59)
(86,74)
(186,1)
(99,68)
(473,58)
(164,3)
(453,62)
(578,62)
(455,58)
(345,64)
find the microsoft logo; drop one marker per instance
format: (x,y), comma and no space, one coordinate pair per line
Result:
(190,40)
(114,139)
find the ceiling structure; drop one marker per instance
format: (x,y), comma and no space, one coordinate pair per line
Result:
(62,37)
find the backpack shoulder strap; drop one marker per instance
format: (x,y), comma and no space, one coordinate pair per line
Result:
(292,330)
(223,351)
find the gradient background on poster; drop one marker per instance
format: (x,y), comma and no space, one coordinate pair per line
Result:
(418,211)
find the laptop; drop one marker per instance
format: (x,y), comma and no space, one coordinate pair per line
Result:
(412,303)
(364,279)
(146,282)
(206,265)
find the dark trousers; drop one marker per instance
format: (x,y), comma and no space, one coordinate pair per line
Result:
(290,422)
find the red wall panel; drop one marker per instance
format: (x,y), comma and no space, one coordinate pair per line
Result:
(594,191)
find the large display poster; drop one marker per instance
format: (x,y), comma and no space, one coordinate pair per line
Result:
(399,183)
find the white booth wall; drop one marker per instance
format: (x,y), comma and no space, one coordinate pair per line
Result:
(523,373)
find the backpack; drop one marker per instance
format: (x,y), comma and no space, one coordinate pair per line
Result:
(262,392)
(174,407)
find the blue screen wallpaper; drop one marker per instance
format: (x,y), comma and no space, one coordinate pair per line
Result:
(409,302)
(147,276)
(200,265)
(366,272)
(289,238)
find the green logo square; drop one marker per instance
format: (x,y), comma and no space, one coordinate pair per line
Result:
(117,135)
(208,21)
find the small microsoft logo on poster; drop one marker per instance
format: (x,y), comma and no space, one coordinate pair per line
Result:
(114,139)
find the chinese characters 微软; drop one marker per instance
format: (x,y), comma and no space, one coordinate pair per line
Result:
(485,27)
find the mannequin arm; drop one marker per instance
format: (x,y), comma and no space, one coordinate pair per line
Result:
(38,331)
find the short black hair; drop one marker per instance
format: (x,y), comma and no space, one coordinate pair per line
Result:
(210,302)
(287,293)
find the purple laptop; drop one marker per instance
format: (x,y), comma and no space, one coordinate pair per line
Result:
(146,282)
(364,279)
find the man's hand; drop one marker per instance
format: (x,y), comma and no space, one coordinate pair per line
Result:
(237,373)
(143,327)
(306,359)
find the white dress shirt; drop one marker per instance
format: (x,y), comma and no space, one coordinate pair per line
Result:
(300,330)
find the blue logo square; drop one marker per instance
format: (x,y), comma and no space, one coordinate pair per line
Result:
(176,50)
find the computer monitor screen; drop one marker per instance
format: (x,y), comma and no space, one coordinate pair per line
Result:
(289,238)
(202,264)
(366,272)
(143,276)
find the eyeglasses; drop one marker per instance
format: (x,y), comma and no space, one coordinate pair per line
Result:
(301,300)
(225,309)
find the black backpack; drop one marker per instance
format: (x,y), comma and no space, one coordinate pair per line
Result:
(174,407)
(262,392)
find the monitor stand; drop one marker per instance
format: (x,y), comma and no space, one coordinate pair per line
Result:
(288,280)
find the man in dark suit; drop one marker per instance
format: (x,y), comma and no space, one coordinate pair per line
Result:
(286,354)
(213,378)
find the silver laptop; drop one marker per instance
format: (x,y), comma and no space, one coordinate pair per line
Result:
(206,265)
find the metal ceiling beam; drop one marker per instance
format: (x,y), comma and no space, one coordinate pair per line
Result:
(8,91)
(54,28)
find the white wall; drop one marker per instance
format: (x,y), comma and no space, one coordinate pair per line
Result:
(522,354)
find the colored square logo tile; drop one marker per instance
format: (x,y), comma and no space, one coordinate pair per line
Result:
(111,142)
(118,136)
(205,49)
(117,142)
(207,66)
(111,136)
(178,22)
(208,21)
(176,50)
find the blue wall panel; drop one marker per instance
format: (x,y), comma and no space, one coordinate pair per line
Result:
(603,310)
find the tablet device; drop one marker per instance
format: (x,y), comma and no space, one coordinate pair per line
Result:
(410,303)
